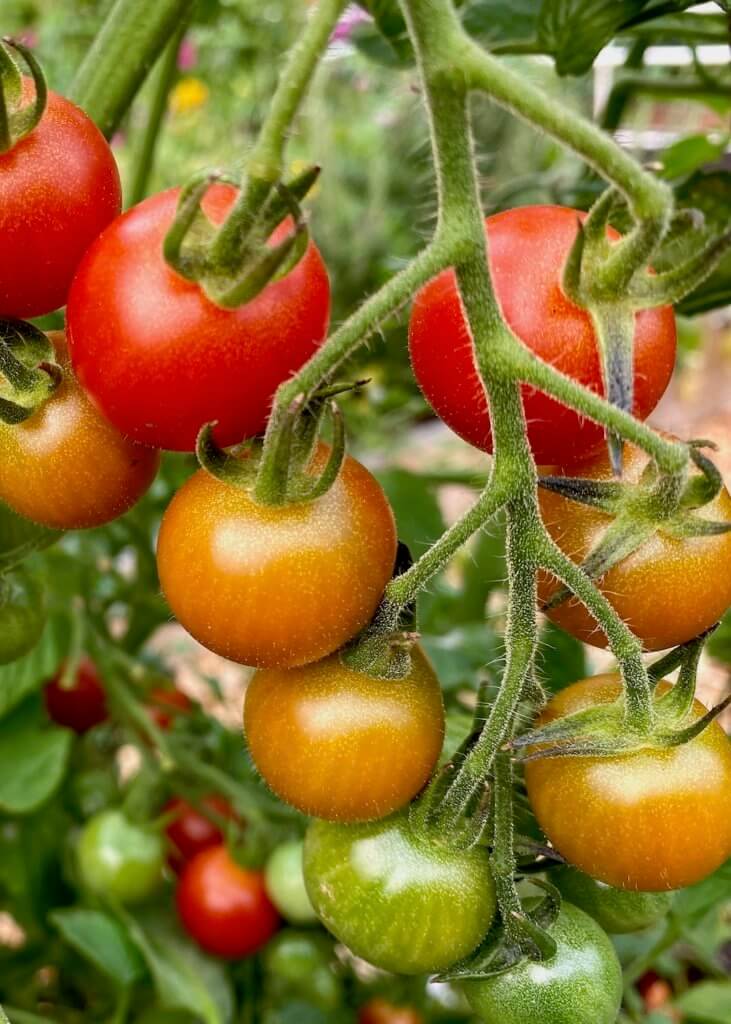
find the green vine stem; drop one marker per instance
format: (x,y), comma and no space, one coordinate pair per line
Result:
(121,56)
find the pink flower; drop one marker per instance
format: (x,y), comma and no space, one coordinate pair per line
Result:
(353,17)
(187,54)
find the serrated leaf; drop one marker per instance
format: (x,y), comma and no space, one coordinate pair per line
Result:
(33,761)
(708,1002)
(103,942)
(574,31)
(25,676)
(20,537)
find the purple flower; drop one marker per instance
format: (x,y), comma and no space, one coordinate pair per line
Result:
(353,17)
(187,55)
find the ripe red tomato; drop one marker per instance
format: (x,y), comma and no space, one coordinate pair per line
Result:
(667,591)
(652,820)
(276,586)
(340,745)
(66,466)
(160,359)
(59,188)
(191,831)
(528,248)
(165,704)
(380,1011)
(80,706)
(224,907)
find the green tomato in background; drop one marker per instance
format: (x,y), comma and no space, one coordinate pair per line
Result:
(617,910)
(285,882)
(118,858)
(580,984)
(405,902)
(22,614)
(300,964)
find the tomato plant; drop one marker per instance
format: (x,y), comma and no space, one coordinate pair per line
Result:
(148,328)
(616,910)
(67,467)
(285,882)
(79,703)
(339,745)
(580,984)
(59,187)
(119,858)
(223,906)
(190,830)
(224,561)
(652,820)
(401,902)
(22,614)
(528,248)
(166,704)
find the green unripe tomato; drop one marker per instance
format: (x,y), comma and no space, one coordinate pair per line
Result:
(118,858)
(285,882)
(22,615)
(300,963)
(580,984)
(617,910)
(405,902)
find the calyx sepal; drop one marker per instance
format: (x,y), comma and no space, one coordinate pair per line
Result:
(18,119)
(28,372)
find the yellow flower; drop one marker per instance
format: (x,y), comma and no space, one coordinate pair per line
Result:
(189,94)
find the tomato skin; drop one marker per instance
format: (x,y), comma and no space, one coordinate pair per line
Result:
(225,907)
(66,467)
(138,329)
(528,249)
(339,744)
(166,704)
(191,831)
(22,614)
(118,858)
(81,706)
(580,984)
(299,963)
(668,591)
(285,882)
(617,911)
(405,904)
(380,1011)
(650,821)
(226,562)
(59,188)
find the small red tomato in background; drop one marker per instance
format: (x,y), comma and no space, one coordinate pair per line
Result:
(165,704)
(59,188)
(225,907)
(191,831)
(528,248)
(380,1011)
(160,359)
(82,705)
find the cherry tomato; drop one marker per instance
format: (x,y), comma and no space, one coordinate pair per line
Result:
(285,882)
(380,1011)
(616,910)
(668,591)
(403,902)
(299,964)
(59,187)
(341,745)
(224,907)
(66,466)
(528,248)
(120,859)
(276,586)
(191,831)
(160,359)
(580,984)
(165,704)
(22,614)
(80,706)
(651,820)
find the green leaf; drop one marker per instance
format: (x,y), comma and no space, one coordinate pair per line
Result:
(502,25)
(33,760)
(709,1002)
(415,506)
(184,977)
(386,41)
(711,194)
(20,537)
(24,1017)
(693,903)
(103,941)
(458,656)
(562,659)
(691,153)
(574,31)
(27,675)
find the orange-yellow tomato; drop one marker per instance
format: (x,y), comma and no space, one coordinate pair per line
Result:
(652,820)
(340,745)
(66,466)
(277,586)
(667,591)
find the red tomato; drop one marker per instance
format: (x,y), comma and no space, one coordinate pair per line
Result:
(59,188)
(380,1011)
(80,706)
(166,704)
(528,249)
(160,359)
(190,831)
(224,907)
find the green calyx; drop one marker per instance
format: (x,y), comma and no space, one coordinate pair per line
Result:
(233,263)
(18,119)
(28,372)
